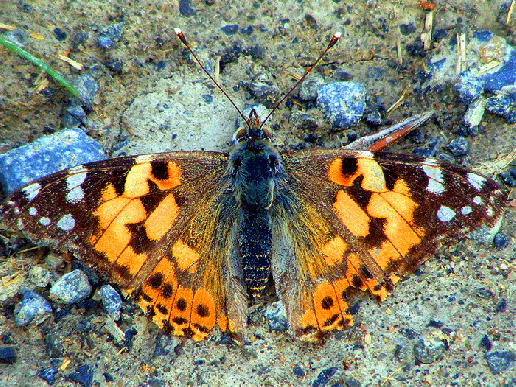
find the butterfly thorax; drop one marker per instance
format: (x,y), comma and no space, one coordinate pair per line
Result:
(254,169)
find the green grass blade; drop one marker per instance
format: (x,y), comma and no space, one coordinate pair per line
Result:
(35,61)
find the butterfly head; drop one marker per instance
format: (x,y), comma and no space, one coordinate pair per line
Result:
(254,167)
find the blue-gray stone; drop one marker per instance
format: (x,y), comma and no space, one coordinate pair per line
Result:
(276,316)
(342,102)
(48,375)
(71,287)
(324,377)
(110,35)
(111,301)
(504,104)
(427,352)
(32,309)
(469,87)
(87,87)
(499,362)
(7,355)
(47,155)
(82,375)
(459,147)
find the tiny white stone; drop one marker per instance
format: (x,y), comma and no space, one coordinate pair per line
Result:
(33,211)
(66,223)
(445,214)
(44,221)
(31,191)
(477,200)
(476,181)
(466,210)
(75,195)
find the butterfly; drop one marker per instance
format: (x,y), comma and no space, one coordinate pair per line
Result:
(192,236)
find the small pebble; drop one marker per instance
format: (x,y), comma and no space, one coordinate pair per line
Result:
(501,240)
(82,375)
(324,377)
(427,352)
(59,34)
(276,316)
(475,112)
(7,355)
(185,8)
(486,343)
(459,147)
(33,309)
(87,87)
(48,375)
(39,276)
(342,102)
(111,301)
(501,306)
(71,287)
(230,29)
(499,362)
(298,371)
(110,35)
(308,89)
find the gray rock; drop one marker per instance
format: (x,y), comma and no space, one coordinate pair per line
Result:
(499,362)
(47,155)
(428,351)
(276,316)
(342,102)
(71,287)
(33,309)
(111,301)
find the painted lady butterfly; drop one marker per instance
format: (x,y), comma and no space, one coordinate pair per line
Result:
(191,235)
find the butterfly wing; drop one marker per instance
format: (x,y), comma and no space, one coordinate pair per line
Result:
(160,226)
(346,221)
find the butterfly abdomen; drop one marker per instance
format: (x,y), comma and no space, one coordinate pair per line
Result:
(255,248)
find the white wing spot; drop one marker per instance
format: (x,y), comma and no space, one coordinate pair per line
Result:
(75,195)
(489,212)
(466,210)
(31,191)
(445,214)
(66,223)
(33,211)
(76,179)
(435,179)
(477,200)
(476,181)
(44,221)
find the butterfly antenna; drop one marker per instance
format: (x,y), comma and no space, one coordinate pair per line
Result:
(332,42)
(182,38)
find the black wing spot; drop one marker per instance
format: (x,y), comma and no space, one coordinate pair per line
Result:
(159,169)
(180,320)
(181,304)
(349,166)
(202,310)
(162,309)
(327,302)
(155,280)
(168,290)
(357,281)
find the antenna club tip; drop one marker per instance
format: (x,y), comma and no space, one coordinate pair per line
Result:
(178,31)
(337,35)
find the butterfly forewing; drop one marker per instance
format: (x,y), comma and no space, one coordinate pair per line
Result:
(359,221)
(158,225)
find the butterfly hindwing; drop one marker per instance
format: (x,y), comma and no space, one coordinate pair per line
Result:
(359,221)
(160,226)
